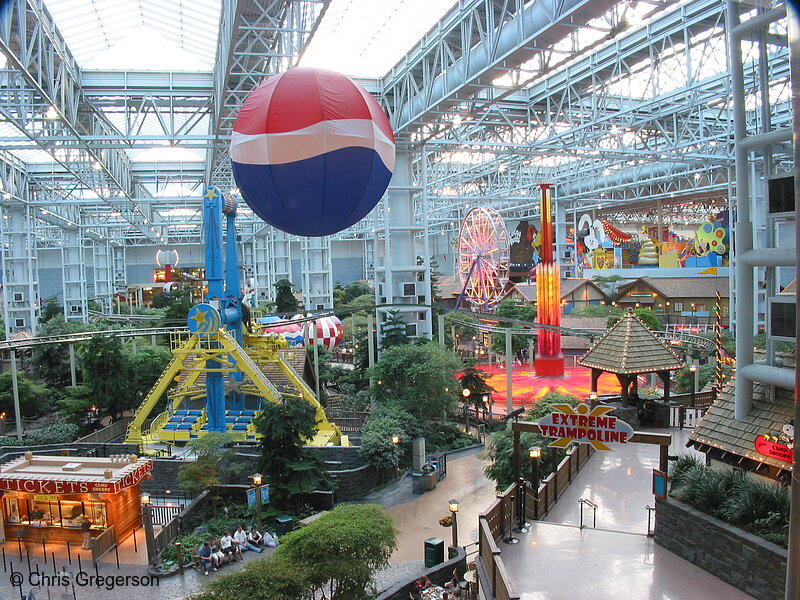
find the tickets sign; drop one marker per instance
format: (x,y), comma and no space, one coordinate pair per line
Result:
(40,484)
(584,425)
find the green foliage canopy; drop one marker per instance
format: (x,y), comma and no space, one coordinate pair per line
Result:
(342,550)
(290,469)
(420,379)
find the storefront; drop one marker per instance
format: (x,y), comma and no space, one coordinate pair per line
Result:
(49,497)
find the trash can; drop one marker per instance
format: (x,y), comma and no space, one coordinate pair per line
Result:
(417,483)
(434,552)
(283,524)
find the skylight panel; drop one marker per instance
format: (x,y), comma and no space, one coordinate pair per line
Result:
(364,38)
(139,34)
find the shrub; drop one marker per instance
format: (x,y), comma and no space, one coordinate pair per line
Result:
(274,578)
(447,436)
(544,405)
(735,497)
(342,550)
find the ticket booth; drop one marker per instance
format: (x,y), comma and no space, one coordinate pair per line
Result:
(50,496)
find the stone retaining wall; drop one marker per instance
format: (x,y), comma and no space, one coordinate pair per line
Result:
(745,561)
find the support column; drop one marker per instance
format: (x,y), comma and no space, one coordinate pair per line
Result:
(260,275)
(20,271)
(73,269)
(102,259)
(399,279)
(280,258)
(317,277)
(119,271)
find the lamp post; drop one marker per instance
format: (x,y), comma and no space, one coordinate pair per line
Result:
(396,445)
(257,478)
(534,453)
(522,525)
(453,504)
(147,523)
(592,398)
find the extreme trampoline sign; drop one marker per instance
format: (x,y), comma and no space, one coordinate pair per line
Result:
(584,425)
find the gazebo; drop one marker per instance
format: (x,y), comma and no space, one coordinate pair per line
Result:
(630,349)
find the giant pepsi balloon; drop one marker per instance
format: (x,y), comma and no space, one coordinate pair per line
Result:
(312,151)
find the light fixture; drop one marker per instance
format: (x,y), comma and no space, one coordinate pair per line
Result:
(145,499)
(534,452)
(693,368)
(453,505)
(51,113)
(466,392)
(395,439)
(256,477)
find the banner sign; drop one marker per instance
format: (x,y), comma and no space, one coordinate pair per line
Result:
(584,425)
(39,484)
(774,449)
(251,495)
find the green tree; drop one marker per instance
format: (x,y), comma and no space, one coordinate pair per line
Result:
(285,302)
(34,399)
(343,550)
(291,470)
(357,289)
(145,367)
(50,362)
(176,304)
(609,284)
(377,447)
(106,375)
(420,379)
(50,310)
(646,316)
(274,578)
(212,466)
(474,380)
(75,403)
(544,405)
(597,310)
(393,330)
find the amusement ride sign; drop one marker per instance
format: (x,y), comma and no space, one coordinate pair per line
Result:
(584,425)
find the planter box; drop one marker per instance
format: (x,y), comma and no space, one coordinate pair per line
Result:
(745,561)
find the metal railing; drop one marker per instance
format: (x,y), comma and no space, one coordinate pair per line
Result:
(650,509)
(593,506)
(168,533)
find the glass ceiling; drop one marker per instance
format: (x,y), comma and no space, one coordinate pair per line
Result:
(366,38)
(163,35)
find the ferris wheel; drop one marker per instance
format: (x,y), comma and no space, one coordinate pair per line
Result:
(483,255)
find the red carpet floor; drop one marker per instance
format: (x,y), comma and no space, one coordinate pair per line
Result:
(527,387)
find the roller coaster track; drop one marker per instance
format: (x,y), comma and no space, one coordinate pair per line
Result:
(694,342)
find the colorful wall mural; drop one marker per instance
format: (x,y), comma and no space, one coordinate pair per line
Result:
(603,245)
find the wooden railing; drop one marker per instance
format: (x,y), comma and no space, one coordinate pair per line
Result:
(491,569)
(103,543)
(539,503)
(498,521)
(117,429)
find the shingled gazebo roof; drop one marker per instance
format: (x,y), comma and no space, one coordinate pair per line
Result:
(629,348)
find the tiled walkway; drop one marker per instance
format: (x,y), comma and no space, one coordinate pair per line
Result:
(556,560)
